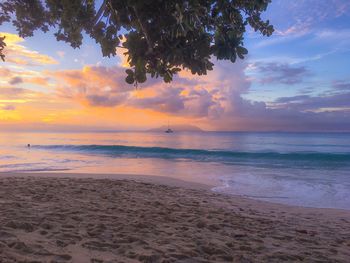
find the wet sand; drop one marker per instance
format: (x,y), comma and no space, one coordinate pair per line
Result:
(45,218)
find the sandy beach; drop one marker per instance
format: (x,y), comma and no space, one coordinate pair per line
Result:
(45,218)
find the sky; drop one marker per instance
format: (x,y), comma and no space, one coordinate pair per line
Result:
(296,80)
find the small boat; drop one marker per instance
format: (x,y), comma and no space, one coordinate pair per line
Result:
(169,130)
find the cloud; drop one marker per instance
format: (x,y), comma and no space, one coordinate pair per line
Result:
(214,100)
(194,96)
(312,12)
(305,103)
(217,100)
(341,85)
(93,85)
(43,81)
(339,39)
(292,99)
(331,34)
(168,100)
(14,76)
(293,20)
(258,116)
(8,107)
(297,30)
(12,92)
(4,71)
(18,95)
(21,55)
(186,101)
(284,73)
(187,95)
(15,80)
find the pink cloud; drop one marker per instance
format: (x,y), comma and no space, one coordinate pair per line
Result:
(215,100)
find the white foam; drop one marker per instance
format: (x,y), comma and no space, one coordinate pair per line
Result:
(295,187)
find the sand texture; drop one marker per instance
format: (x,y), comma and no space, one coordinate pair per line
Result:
(100,220)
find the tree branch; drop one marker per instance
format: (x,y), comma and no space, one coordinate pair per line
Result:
(100,11)
(144,30)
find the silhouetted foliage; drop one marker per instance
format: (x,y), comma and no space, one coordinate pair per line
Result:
(160,37)
(2,47)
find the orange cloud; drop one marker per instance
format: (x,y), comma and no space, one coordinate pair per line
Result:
(20,55)
(22,76)
(94,86)
(97,96)
(106,87)
(42,81)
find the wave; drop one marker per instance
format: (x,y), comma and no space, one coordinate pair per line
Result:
(273,158)
(29,167)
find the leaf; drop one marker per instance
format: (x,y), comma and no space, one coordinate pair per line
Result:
(157,36)
(242,50)
(129,72)
(130,79)
(141,78)
(167,77)
(233,58)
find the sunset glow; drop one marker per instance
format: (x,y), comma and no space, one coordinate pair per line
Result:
(296,80)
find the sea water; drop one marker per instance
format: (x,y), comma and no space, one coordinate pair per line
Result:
(306,169)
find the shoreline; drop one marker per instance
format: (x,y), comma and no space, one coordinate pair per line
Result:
(208,185)
(51,218)
(160,180)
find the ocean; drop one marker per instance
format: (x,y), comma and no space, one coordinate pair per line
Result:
(304,169)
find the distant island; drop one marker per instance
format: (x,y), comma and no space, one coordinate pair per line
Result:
(176,128)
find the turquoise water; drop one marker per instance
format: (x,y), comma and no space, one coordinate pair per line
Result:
(307,169)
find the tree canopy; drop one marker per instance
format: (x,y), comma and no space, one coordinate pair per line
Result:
(160,37)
